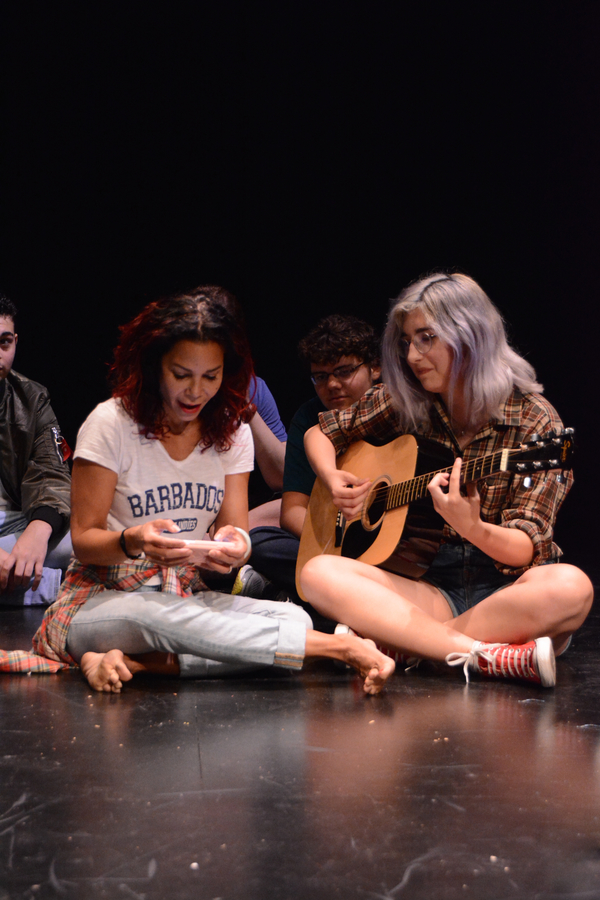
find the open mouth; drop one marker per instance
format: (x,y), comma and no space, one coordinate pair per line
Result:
(186,407)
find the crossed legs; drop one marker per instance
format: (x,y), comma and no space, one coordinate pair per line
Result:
(414,617)
(116,635)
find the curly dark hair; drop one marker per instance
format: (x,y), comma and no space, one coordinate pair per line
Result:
(7,308)
(336,336)
(207,313)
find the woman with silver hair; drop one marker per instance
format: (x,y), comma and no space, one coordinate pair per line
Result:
(495,598)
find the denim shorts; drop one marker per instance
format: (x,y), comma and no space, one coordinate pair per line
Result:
(465,576)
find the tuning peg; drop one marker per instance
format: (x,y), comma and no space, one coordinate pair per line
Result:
(527,481)
(561,478)
(534,437)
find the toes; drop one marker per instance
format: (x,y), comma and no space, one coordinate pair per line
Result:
(378,674)
(373,684)
(112,685)
(113,682)
(124,673)
(117,661)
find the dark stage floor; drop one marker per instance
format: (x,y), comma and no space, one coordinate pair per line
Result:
(300,786)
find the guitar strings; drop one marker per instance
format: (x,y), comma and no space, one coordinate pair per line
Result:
(404,492)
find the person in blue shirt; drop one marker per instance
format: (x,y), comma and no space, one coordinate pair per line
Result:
(269,436)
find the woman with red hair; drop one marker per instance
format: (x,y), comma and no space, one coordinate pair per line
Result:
(156,467)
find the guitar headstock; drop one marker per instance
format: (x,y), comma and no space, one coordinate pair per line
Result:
(543,454)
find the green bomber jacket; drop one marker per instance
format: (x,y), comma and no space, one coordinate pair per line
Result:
(33,454)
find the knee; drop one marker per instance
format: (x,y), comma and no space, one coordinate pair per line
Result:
(582,589)
(315,575)
(295,612)
(572,590)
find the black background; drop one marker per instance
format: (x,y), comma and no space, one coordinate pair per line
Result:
(312,158)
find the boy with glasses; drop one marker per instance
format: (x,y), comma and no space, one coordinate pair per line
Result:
(342,355)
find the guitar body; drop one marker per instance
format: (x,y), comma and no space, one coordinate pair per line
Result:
(375,537)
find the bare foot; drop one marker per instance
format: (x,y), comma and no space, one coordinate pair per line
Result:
(362,654)
(105,671)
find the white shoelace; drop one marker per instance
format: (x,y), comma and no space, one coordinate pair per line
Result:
(470,659)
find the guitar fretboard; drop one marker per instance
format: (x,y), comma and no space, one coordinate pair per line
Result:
(416,488)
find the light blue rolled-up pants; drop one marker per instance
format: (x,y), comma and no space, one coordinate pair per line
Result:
(213,634)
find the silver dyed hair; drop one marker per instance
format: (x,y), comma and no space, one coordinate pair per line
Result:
(464,317)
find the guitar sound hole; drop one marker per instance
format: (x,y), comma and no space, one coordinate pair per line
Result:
(375,507)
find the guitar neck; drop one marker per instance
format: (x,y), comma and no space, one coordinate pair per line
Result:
(416,488)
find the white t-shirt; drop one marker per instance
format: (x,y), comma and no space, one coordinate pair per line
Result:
(150,484)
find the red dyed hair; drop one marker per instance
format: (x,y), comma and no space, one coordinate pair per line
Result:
(207,313)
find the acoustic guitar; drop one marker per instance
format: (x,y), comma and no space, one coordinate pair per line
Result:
(398,528)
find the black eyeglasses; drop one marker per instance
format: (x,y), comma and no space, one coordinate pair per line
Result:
(422,343)
(342,373)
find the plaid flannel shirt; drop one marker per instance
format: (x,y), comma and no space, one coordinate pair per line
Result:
(505,500)
(49,653)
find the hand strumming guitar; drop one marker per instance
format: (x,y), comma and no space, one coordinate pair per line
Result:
(348,492)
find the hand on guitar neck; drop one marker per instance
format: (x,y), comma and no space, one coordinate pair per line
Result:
(509,545)
(463,513)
